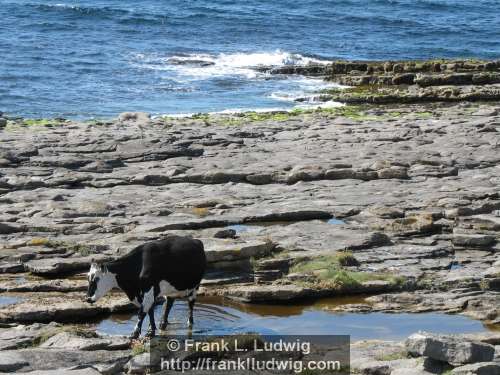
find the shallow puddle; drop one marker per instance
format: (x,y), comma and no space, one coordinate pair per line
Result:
(20,280)
(9,300)
(250,227)
(217,316)
(456,266)
(335,221)
(241,228)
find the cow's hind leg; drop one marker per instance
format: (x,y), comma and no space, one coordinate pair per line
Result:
(191,301)
(166,310)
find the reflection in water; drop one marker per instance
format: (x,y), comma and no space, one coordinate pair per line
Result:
(217,316)
(297,308)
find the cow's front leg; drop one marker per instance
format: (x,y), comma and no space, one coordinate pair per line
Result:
(137,330)
(148,304)
(152,326)
(166,310)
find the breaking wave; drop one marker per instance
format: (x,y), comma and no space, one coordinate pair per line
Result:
(202,66)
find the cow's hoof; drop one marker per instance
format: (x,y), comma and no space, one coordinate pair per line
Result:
(163,326)
(150,334)
(134,336)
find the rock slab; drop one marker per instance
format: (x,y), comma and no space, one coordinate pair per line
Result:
(456,351)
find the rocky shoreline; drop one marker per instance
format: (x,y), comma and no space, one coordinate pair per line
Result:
(54,349)
(397,201)
(405,81)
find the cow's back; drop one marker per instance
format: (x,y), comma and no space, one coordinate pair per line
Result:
(179,260)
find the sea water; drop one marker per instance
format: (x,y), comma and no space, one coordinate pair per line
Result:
(97,58)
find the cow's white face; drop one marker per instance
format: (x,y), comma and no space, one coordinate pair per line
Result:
(101,281)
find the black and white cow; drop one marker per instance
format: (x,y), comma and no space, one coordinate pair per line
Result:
(172,268)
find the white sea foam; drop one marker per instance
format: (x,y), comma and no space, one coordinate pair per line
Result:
(234,111)
(188,69)
(231,111)
(205,66)
(329,104)
(304,89)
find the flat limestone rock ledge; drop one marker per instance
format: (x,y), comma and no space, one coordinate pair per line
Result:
(390,357)
(218,250)
(64,371)
(405,81)
(446,348)
(31,285)
(62,349)
(281,213)
(415,187)
(276,293)
(58,336)
(11,267)
(62,307)
(416,94)
(13,336)
(320,236)
(473,240)
(49,359)
(68,340)
(482,368)
(61,266)
(270,293)
(341,68)
(475,304)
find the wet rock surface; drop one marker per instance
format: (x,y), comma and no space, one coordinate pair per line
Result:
(409,191)
(60,349)
(455,351)
(400,202)
(426,353)
(406,81)
(57,349)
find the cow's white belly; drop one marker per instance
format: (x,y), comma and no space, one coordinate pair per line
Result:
(168,290)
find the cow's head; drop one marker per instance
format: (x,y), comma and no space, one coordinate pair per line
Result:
(101,281)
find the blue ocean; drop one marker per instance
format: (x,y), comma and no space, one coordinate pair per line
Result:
(97,58)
